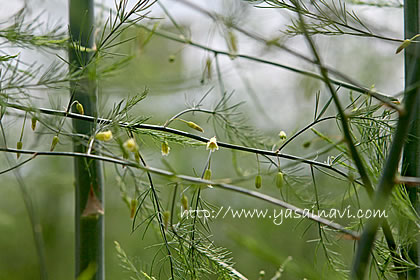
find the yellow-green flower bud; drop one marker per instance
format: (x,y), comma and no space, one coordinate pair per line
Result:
(33,124)
(79,108)
(19,146)
(208,68)
(133,207)
(166,216)
(404,44)
(212,144)
(171,58)
(258,181)
(54,143)
(195,126)
(184,202)
(165,148)
(104,136)
(279,180)
(137,157)
(130,145)
(282,135)
(207,175)
(233,42)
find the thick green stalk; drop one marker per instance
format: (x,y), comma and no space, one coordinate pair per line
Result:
(404,127)
(88,173)
(383,192)
(347,135)
(411,156)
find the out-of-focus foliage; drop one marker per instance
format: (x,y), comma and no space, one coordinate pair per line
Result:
(171,79)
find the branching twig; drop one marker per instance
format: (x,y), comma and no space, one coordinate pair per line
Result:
(373,93)
(345,84)
(168,122)
(177,132)
(18,165)
(173,176)
(358,161)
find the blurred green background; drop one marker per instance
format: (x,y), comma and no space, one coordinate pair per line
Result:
(274,100)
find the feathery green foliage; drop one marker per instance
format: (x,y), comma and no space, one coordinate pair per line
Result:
(334,161)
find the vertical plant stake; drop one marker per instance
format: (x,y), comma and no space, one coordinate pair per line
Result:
(88,175)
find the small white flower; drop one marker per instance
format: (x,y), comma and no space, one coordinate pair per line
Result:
(282,135)
(212,144)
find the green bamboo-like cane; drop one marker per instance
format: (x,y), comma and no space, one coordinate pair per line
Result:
(411,155)
(386,183)
(358,160)
(89,251)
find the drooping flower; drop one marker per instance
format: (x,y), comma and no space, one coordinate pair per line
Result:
(79,108)
(19,146)
(166,217)
(282,135)
(54,143)
(104,136)
(207,176)
(258,181)
(165,148)
(33,123)
(212,144)
(130,145)
(184,202)
(279,180)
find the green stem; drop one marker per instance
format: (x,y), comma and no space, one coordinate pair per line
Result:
(176,132)
(159,217)
(357,31)
(303,130)
(88,173)
(217,17)
(358,160)
(384,190)
(172,176)
(23,127)
(345,84)
(187,111)
(404,126)
(411,155)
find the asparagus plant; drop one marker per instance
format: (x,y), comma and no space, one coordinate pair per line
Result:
(89,219)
